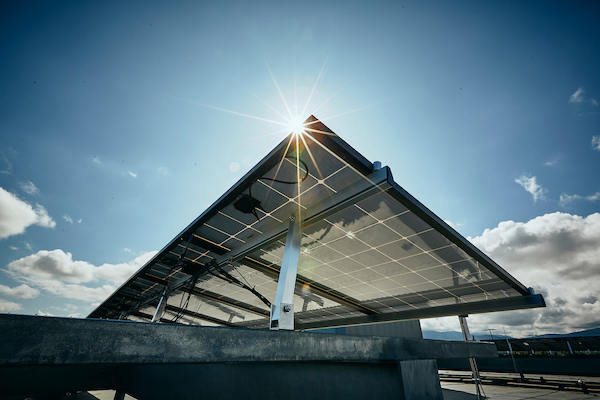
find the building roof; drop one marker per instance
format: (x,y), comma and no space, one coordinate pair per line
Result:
(370,252)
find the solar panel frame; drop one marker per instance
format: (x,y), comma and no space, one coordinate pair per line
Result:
(392,222)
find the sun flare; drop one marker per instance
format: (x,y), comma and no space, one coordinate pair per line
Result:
(297,126)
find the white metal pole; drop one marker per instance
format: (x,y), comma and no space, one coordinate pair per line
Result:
(464,327)
(282,309)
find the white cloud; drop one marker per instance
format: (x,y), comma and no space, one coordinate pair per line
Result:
(9,306)
(56,272)
(21,292)
(67,218)
(162,171)
(16,215)
(133,174)
(44,314)
(566,199)
(79,220)
(96,160)
(530,184)
(559,255)
(55,264)
(596,142)
(553,161)
(7,168)
(594,102)
(577,97)
(29,188)
(14,248)
(118,273)
(453,225)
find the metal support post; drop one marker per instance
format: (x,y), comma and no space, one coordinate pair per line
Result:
(160,308)
(282,309)
(464,327)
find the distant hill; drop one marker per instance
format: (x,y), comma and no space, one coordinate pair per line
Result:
(454,335)
(589,332)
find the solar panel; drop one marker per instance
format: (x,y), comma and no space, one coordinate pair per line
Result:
(369,251)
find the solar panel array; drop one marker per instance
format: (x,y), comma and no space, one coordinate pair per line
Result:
(370,252)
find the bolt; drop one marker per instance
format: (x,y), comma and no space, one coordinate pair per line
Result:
(287,308)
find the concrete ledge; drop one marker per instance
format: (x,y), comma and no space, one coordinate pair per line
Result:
(32,340)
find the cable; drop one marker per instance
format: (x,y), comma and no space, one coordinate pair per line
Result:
(234,281)
(291,182)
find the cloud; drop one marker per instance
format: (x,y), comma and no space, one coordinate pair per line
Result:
(16,215)
(79,220)
(21,292)
(55,264)
(577,97)
(596,142)
(44,314)
(559,255)
(96,160)
(55,272)
(530,184)
(29,188)
(9,306)
(133,174)
(67,218)
(453,225)
(553,161)
(7,167)
(566,199)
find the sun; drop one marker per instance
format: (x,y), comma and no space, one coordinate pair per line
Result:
(297,126)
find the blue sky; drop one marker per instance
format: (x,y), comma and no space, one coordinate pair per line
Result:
(113,134)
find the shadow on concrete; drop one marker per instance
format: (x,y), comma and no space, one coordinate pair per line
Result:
(456,395)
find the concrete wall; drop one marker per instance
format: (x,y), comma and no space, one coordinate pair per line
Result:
(45,357)
(406,329)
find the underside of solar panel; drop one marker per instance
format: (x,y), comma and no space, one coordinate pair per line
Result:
(369,251)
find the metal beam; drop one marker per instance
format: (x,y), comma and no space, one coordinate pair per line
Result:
(160,308)
(316,288)
(509,303)
(465,289)
(226,300)
(194,314)
(211,295)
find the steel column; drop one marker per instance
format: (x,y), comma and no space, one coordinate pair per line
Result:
(282,309)
(464,327)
